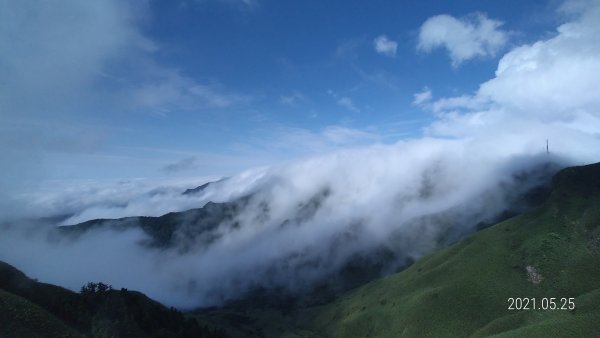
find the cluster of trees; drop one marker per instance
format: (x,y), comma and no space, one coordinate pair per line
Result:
(132,314)
(92,288)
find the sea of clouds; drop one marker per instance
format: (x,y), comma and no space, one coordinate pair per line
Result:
(307,218)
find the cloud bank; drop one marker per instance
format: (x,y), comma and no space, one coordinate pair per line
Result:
(464,39)
(304,220)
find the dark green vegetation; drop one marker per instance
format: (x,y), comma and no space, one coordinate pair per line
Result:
(32,309)
(463,290)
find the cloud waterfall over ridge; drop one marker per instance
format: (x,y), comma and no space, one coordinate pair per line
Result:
(304,220)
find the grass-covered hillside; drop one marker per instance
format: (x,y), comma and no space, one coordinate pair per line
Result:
(463,290)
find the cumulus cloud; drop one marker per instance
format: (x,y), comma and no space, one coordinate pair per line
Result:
(384,46)
(550,83)
(465,38)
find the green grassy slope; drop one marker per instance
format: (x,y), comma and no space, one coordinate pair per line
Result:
(463,290)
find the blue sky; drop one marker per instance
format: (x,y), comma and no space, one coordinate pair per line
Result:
(123,89)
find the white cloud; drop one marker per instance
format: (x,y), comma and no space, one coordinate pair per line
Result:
(554,77)
(551,80)
(422,97)
(384,46)
(473,36)
(547,89)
